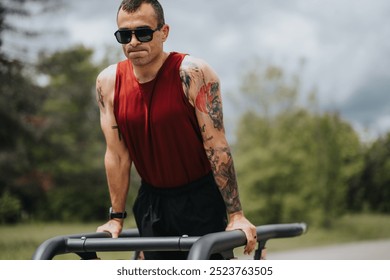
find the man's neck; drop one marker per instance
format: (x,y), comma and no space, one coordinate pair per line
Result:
(148,72)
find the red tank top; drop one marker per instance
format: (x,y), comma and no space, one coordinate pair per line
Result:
(159,126)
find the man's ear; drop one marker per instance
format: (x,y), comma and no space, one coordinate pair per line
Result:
(165,30)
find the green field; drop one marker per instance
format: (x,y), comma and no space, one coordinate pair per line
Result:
(20,241)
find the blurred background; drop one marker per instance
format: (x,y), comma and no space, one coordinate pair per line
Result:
(306,106)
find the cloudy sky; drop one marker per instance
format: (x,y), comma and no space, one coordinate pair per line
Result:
(345,43)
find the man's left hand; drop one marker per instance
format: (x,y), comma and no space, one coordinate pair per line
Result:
(237,220)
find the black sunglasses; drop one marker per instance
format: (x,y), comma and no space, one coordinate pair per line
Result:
(143,34)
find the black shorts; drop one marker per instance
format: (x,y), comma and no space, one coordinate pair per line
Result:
(195,209)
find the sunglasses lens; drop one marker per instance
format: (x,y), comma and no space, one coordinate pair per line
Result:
(123,36)
(144,35)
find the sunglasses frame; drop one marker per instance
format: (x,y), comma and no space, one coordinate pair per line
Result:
(134,32)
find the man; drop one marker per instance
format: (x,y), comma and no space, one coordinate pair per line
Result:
(163,112)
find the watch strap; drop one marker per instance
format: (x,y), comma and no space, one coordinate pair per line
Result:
(117,215)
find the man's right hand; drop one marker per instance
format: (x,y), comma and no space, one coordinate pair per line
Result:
(114,227)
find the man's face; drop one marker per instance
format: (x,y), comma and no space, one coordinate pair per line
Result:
(142,53)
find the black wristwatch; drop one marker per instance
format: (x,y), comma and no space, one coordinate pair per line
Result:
(117,215)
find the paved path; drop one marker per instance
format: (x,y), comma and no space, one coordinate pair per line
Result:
(370,250)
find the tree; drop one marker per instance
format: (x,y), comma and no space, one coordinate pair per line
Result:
(19,103)
(372,187)
(71,149)
(294,161)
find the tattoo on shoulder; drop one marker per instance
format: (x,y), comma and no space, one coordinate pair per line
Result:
(188,74)
(208,99)
(99,93)
(119,132)
(186,80)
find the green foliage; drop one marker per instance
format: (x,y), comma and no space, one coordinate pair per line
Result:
(19,104)
(10,208)
(71,150)
(52,141)
(293,162)
(78,204)
(371,189)
(72,120)
(51,145)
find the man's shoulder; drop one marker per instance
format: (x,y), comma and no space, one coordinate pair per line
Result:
(197,66)
(108,73)
(193,63)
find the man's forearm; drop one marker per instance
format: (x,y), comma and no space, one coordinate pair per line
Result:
(118,178)
(225,176)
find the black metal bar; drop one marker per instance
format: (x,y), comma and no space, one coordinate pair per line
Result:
(129,240)
(221,241)
(58,245)
(130,244)
(266,232)
(216,242)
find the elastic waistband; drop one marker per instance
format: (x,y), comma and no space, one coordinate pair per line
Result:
(204,181)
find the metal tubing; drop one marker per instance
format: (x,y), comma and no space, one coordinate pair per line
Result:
(216,242)
(200,248)
(59,245)
(221,241)
(266,232)
(130,244)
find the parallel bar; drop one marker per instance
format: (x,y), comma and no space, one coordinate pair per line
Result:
(222,241)
(216,242)
(200,248)
(130,244)
(58,245)
(266,232)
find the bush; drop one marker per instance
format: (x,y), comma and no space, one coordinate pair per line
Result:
(78,204)
(10,208)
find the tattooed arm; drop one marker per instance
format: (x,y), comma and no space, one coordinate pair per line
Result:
(202,87)
(117,161)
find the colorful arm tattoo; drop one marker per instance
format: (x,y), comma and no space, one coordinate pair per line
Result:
(225,177)
(208,102)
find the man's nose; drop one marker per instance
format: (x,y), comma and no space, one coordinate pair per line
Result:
(134,41)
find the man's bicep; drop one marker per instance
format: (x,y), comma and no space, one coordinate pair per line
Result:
(208,106)
(105,84)
(202,87)
(112,133)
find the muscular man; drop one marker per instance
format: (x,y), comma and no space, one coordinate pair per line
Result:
(163,112)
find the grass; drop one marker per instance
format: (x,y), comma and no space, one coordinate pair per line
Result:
(20,241)
(350,228)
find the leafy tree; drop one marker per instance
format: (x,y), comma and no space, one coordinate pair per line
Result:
(10,208)
(294,161)
(20,99)
(372,186)
(51,145)
(19,102)
(71,147)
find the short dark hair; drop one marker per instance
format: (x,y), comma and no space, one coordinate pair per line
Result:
(131,6)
